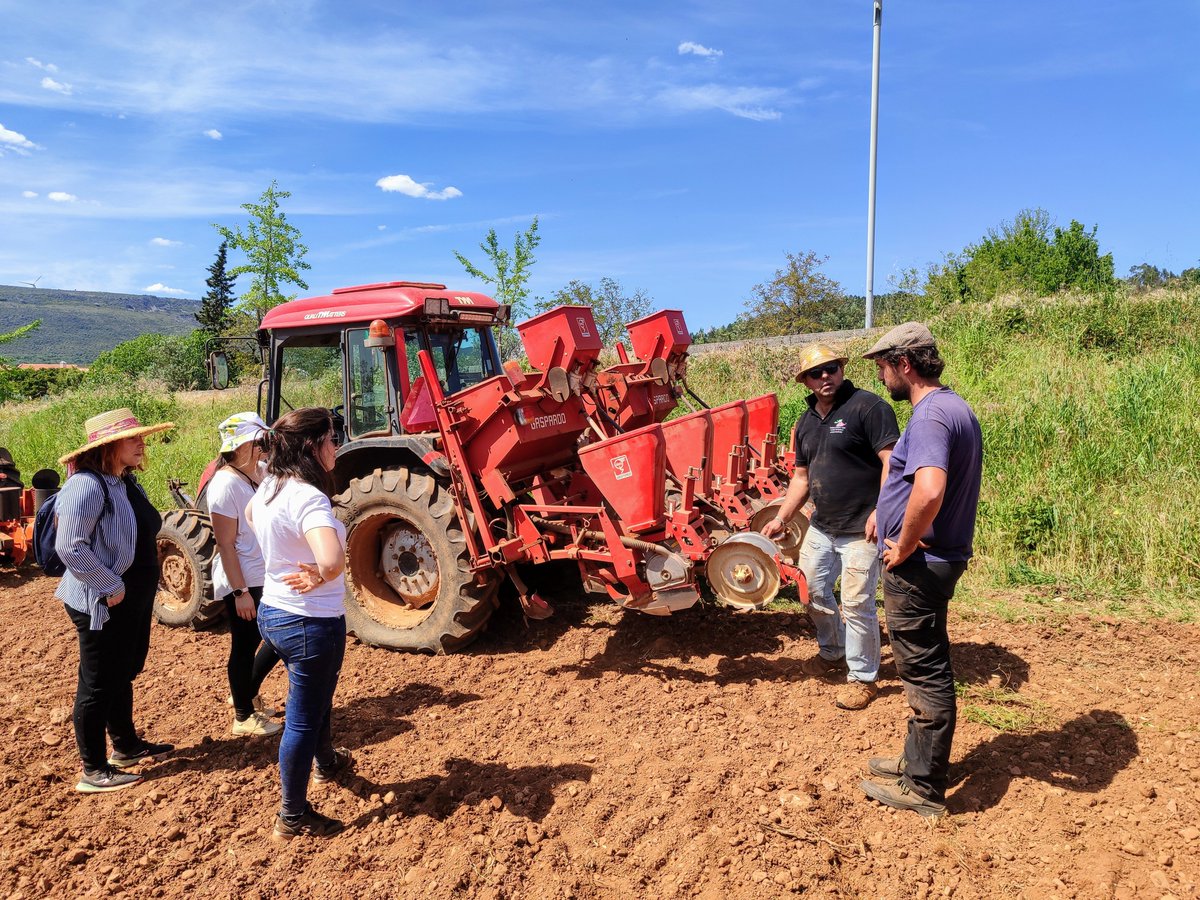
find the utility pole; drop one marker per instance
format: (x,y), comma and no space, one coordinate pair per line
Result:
(871,176)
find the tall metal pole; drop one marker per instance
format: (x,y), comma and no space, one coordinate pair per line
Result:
(871,176)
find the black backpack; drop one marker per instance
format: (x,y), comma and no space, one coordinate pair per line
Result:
(45,530)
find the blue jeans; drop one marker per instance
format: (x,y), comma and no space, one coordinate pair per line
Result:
(312,650)
(852,631)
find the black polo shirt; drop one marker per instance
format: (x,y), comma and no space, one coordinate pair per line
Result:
(841,453)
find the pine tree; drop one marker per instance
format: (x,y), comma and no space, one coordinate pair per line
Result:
(214,307)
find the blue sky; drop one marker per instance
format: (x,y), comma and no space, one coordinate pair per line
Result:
(680,148)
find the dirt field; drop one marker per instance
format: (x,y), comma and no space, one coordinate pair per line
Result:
(610,755)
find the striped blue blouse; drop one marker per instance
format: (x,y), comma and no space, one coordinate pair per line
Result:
(96,546)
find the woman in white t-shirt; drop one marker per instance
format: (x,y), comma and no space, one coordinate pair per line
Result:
(238,570)
(302,613)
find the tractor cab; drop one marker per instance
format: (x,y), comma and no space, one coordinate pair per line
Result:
(355,352)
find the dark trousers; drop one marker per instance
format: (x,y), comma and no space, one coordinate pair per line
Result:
(312,649)
(109,661)
(246,669)
(916,597)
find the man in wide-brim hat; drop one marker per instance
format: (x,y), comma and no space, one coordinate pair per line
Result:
(842,444)
(107,537)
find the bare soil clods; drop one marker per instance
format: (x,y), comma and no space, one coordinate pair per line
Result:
(603,754)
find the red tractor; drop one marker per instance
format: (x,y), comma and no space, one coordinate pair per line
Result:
(456,472)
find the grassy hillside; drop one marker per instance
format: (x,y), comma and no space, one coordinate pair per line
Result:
(1092,445)
(1091,441)
(77,326)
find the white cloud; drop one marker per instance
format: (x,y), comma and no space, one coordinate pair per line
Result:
(214,134)
(743,102)
(159,288)
(51,85)
(29,195)
(165,242)
(402,184)
(381,227)
(699,50)
(62,197)
(38,64)
(14,141)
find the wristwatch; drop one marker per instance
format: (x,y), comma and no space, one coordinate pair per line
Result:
(239,591)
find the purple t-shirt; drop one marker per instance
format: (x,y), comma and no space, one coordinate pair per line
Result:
(943,433)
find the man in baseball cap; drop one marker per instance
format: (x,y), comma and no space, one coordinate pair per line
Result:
(842,443)
(926,524)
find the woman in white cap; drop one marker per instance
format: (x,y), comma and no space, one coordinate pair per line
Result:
(107,538)
(238,570)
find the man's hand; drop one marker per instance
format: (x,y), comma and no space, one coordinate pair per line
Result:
(114,599)
(774,527)
(872,532)
(893,555)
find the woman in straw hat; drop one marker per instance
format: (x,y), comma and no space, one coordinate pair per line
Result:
(239,570)
(107,538)
(303,613)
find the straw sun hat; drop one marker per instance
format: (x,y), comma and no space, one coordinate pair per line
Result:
(114,425)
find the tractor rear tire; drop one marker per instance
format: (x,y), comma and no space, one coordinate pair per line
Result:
(186,548)
(424,596)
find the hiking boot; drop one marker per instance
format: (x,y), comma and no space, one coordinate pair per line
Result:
(311,824)
(899,795)
(887,766)
(255,724)
(820,667)
(147,752)
(260,706)
(856,695)
(103,780)
(343,761)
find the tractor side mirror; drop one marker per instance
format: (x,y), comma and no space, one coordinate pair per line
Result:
(218,370)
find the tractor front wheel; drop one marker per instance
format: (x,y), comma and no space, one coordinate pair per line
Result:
(409,584)
(186,548)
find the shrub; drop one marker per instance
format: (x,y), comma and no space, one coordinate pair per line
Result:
(175,360)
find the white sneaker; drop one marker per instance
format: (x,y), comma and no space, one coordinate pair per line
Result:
(259,706)
(256,724)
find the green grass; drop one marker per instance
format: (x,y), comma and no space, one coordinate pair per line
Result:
(1000,708)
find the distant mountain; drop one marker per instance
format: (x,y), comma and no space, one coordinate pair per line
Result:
(77,326)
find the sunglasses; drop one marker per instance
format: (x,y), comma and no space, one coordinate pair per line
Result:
(827,369)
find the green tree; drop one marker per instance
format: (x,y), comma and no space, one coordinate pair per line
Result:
(274,254)
(612,308)
(1144,276)
(9,389)
(800,298)
(16,335)
(1028,255)
(214,315)
(508,274)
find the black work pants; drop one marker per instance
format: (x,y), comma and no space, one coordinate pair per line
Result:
(109,661)
(916,598)
(246,669)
